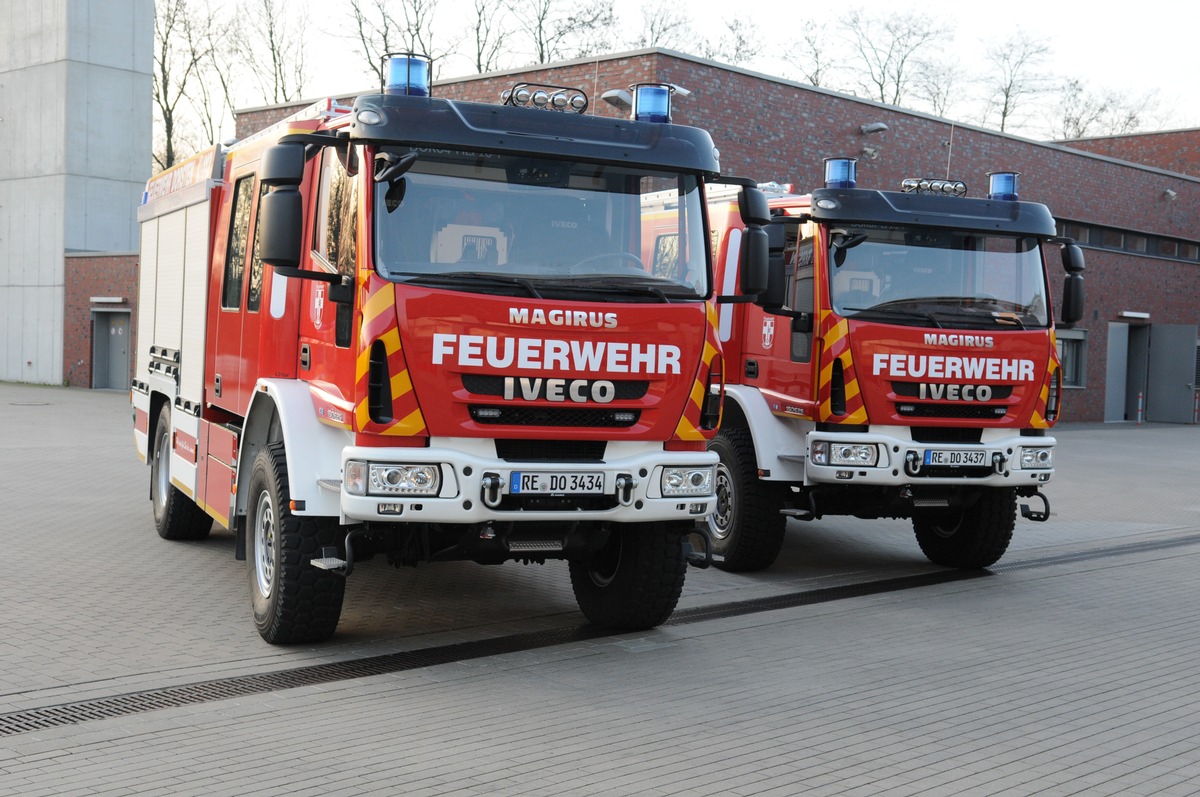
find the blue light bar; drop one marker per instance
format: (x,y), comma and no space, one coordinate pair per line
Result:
(1002,186)
(839,172)
(406,74)
(652,102)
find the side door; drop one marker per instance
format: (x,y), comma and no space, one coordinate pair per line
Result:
(1171,378)
(226,381)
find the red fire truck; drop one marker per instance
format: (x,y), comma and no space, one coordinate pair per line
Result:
(903,365)
(435,330)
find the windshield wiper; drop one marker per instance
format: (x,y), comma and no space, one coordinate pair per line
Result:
(457,279)
(647,286)
(891,310)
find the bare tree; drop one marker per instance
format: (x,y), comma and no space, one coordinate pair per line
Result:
(889,50)
(937,84)
(559,29)
(180,50)
(815,57)
(1083,113)
(488,36)
(1015,78)
(737,44)
(376,33)
(663,26)
(213,97)
(273,49)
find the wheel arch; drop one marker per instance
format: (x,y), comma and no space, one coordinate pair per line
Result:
(774,437)
(282,410)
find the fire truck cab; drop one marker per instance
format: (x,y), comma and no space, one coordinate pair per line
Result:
(902,364)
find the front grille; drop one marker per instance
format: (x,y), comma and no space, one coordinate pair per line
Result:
(508,415)
(551,450)
(556,503)
(974,412)
(944,472)
(489,385)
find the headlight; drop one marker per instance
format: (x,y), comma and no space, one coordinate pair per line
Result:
(687,481)
(367,478)
(1033,458)
(858,455)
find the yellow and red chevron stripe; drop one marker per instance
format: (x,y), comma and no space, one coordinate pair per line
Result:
(688,427)
(834,332)
(1053,375)
(379,323)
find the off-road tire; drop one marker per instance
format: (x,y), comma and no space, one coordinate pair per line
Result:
(970,537)
(634,582)
(293,601)
(176,516)
(747,528)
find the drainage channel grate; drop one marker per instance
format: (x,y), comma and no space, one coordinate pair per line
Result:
(242,686)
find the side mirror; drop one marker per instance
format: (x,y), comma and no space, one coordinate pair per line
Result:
(753,261)
(281,222)
(1073,296)
(753,207)
(282,165)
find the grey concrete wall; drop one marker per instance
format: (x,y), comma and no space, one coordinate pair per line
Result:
(75,127)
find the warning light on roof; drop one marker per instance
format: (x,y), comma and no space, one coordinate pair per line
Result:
(652,102)
(1003,186)
(840,172)
(406,73)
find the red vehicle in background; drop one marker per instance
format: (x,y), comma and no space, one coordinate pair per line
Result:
(902,365)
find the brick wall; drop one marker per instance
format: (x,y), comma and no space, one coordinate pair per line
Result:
(87,276)
(1173,150)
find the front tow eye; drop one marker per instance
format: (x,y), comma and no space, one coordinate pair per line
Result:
(1035,515)
(691,555)
(490,485)
(1000,464)
(625,485)
(912,463)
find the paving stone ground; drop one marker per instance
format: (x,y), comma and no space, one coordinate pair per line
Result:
(1075,678)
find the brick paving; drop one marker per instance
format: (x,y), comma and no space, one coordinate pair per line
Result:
(1075,678)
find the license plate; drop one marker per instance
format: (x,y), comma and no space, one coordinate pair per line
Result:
(955,458)
(534,481)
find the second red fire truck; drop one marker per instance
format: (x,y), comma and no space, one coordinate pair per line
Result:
(904,366)
(435,330)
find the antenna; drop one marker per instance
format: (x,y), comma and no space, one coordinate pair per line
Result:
(949,150)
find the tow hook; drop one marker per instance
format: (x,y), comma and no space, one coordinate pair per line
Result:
(1035,515)
(625,485)
(912,463)
(691,555)
(1000,464)
(490,487)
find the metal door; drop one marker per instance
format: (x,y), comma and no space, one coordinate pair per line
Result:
(1171,381)
(110,351)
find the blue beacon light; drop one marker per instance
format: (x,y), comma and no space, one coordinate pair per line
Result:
(652,102)
(1002,186)
(840,172)
(407,74)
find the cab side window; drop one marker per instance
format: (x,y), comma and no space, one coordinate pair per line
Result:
(335,234)
(239,234)
(800,290)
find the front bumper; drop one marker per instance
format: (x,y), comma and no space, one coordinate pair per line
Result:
(1000,459)
(474,486)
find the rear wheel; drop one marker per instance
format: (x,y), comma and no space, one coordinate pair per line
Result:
(176,516)
(747,528)
(634,581)
(969,537)
(292,600)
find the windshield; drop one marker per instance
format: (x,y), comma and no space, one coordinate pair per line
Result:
(548,228)
(945,278)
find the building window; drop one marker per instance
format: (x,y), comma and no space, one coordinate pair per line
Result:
(1077,231)
(1113,239)
(1135,243)
(1168,248)
(1072,355)
(1190,252)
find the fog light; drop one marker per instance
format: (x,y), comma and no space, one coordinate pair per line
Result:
(354,478)
(687,481)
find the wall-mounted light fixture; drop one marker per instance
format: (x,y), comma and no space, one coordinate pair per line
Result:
(873,127)
(870,152)
(1170,194)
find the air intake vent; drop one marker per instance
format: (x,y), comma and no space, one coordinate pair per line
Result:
(551,450)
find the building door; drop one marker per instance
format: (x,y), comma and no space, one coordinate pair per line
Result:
(110,350)
(1171,374)
(1116,373)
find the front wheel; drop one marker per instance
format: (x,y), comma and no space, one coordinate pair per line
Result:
(292,600)
(634,581)
(176,516)
(747,527)
(970,537)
